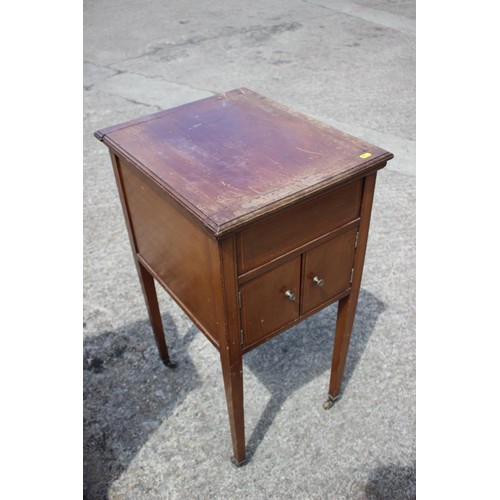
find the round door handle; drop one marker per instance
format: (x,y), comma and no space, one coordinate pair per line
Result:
(290,295)
(318,281)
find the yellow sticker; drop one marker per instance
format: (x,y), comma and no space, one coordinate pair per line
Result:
(365,155)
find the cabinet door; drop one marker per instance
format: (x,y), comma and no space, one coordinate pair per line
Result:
(270,301)
(327,270)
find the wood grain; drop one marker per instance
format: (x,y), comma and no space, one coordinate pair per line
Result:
(265,306)
(239,197)
(331,262)
(295,226)
(287,255)
(223,266)
(347,305)
(235,157)
(145,278)
(172,246)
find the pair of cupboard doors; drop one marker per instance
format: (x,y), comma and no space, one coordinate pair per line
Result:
(288,265)
(296,262)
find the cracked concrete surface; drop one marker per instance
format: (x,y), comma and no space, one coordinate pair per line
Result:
(154,433)
(150,91)
(379,16)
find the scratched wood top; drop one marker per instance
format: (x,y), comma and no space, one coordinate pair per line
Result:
(231,158)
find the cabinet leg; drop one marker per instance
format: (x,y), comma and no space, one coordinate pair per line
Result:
(149,291)
(233,384)
(347,305)
(345,321)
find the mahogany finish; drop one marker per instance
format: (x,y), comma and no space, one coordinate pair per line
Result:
(332,262)
(265,307)
(347,305)
(234,157)
(167,241)
(274,235)
(252,217)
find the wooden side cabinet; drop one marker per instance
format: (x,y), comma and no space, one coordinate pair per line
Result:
(252,217)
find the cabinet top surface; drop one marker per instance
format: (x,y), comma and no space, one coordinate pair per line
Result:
(232,157)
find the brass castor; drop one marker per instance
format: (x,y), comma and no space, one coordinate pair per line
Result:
(238,464)
(329,402)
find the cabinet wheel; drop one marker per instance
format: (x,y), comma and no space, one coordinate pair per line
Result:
(329,402)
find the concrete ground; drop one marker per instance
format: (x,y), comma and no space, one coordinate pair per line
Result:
(154,433)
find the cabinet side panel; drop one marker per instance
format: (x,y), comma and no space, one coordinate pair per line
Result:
(174,247)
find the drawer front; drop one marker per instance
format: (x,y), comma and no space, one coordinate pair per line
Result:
(327,270)
(284,231)
(265,305)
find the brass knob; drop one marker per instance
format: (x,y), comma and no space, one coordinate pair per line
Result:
(290,295)
(318,281)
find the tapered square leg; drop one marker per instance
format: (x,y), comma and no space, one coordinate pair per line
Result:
(149,291)
(233,384)
(345,321)
(347,305)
